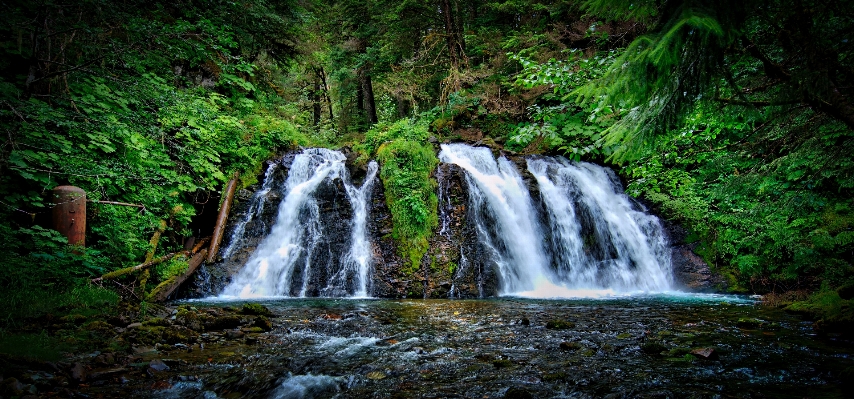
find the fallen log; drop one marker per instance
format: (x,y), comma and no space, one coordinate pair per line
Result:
(166,288)
(141,266)
(222,218)
(200,244)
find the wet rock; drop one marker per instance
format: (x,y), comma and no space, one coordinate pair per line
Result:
(78,372)
(705,353)
(263,323)
(570,346)
(749,323)
(518,393)
(223,323)
(255,309)
(105,359)
(502,363)
(234,334)
(559,325)
(106,374)
(158,365)
(376,375)
(12,387)
(652,348)
(133,325)
(525,321)
(157,322)
(189,319)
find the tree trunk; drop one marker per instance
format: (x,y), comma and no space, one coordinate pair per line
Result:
(368,93)
(315,101)
(453,37)
(326,93)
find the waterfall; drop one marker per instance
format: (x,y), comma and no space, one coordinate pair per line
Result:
(256,207)
(596,243)
(503,217)
(357,261)
(282,264)
(599,240)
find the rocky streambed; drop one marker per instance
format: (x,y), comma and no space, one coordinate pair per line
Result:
(659,346)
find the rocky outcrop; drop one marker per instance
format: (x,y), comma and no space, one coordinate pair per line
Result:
(690,271)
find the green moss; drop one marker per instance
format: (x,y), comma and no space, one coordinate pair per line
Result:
(255,309)
(559,325)
(407,161)
(831,312)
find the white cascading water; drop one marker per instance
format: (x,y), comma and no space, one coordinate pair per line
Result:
(624,249)
(297,230)
(630,245)
(256,208)
(357,261)
(497,188)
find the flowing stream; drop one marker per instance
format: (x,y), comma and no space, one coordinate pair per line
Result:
(288,252)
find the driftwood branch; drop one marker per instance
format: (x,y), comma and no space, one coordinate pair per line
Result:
(132,269)
(228,196)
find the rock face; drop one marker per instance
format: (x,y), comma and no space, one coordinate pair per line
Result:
(690,271)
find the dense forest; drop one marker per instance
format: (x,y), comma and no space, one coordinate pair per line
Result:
(734,119)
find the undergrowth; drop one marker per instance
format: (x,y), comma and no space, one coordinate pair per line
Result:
(407,161)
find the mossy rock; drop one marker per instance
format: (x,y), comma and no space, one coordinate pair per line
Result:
(157,322)
(624,336)
(99,326)
(652,348)
(255,309)
(571,346)
(263,323)
(749,323)
(178,334)
(189,319)
(559,325)
(223,323)
(558,376)
(145,335)
(678,352)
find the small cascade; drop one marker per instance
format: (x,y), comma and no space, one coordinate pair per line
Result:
(584,239)
(357,261)
(504,217)
(256,207)
(598,239)
(444,203)
(298,254)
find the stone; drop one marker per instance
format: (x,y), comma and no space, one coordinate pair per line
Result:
(705,353)
(158,365)
(263,323)
(255,309)
(78,372)
(570,346)
(224,323)
(234,334)
(652,348)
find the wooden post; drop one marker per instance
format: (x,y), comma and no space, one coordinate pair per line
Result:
(224,208)
(69,213)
